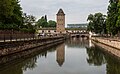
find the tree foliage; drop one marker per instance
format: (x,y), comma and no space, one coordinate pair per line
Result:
(112,23)
(51,23)
(12,17)
(42,22)
(97,23)
(28,19)
(46,17)
(10,12)
(118,18)
(112,17)
(6,10)
(28,23)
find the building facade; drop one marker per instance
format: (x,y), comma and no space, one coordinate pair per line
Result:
(60,21)
(77,25)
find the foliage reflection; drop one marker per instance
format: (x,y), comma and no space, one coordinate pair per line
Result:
(97,57)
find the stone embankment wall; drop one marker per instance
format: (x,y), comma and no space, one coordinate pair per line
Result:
(111,46)
(28,53)
(8,48)
(109,42)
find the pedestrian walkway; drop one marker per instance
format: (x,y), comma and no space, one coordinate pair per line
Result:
(16,40)
(111,39)
(27,39)
(115,43)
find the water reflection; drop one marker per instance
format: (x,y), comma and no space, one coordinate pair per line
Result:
(25,63)
(97,57)
(112,66)
(77,43)
(75,56)
(60,54)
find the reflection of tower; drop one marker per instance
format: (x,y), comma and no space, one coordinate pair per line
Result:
(60,21)
(60,54)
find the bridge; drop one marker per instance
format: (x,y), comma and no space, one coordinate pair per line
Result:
(68,33)
(79,35)
(72,32)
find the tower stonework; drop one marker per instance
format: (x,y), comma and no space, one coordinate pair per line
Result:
(60,21)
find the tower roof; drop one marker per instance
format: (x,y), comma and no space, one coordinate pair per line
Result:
(60,12)
(60,62)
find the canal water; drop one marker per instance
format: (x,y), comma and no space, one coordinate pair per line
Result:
(74,56)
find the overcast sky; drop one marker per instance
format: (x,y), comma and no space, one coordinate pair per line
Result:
(76,10)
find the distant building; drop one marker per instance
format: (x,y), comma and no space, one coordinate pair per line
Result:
(47,30)
(60,21)
(60,27)
(77,25)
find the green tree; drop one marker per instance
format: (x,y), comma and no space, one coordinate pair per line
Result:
(17,18)
(97,23)
(6,10)
(10,13)
(90,26)
(29,21)
(42,22)
(46,17)
(112,17)
(118,19)
(51,23)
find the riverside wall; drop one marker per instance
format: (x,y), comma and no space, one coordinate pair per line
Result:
(111,46)
(18,57)
(8,48)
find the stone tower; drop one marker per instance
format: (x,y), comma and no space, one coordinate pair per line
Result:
(60,21)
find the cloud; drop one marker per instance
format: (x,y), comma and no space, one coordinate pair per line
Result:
(76,10)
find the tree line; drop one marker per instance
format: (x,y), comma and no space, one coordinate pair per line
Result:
(106,24)
(13,18)
(43,23)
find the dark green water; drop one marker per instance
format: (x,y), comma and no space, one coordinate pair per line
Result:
(74,56)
